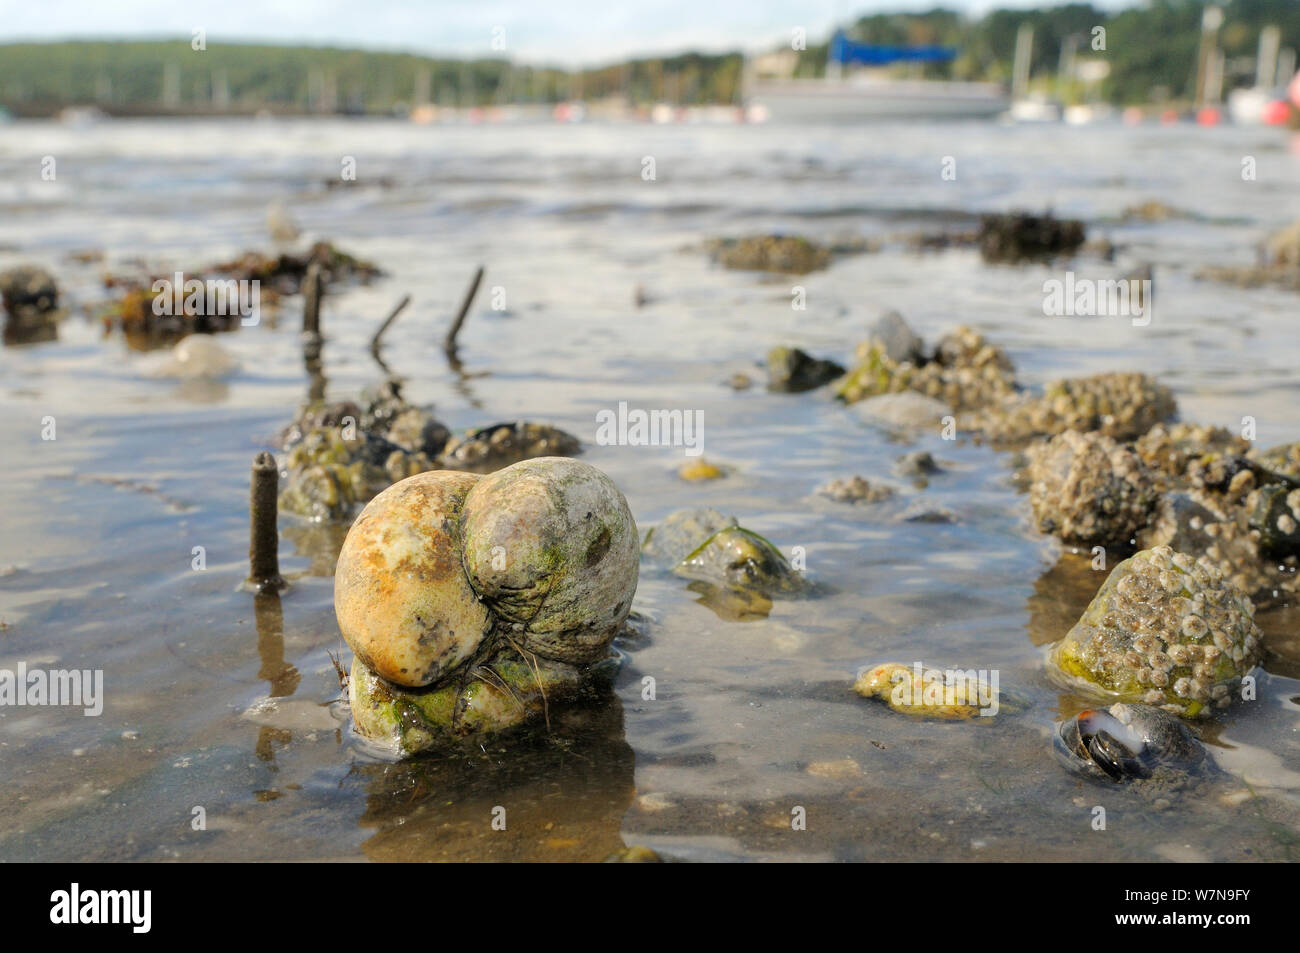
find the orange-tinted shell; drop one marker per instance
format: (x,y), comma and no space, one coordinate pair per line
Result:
(401,596)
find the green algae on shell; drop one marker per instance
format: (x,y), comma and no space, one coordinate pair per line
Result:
(505,692)
(704,545)
(1163,630)
(741,558)
(402,600)
(551,547)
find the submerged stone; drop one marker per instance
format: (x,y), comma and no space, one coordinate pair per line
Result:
(1019,237)
(899,341)
(855,490)
(793,371)
(788,254)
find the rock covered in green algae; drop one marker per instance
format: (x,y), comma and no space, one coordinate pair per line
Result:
(790,370)
(505,692)
(788,254)
(552,549)
(1120,405)
(1163,630)
(1019,237)
(1087,489)
(401,596)
(704,545)
(681,532)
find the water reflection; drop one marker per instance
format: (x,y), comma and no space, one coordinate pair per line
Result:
(282,676)
(560,796)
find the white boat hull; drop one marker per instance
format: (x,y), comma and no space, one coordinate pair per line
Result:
(821,101)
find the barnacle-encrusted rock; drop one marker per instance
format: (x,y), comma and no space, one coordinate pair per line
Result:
(783,253)
(1086,488)
(1018,236)
(330,471)
(1198,522)
(1283,246)
(793,371)
(1171,448)
(1120,405)
(1163,630)
(552,549)
(418,431)
(339,455)
(403,601)
(855,490)
(284,272)
(490,448)
(1283,459)
(967,373)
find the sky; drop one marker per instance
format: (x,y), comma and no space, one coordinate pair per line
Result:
(563,32)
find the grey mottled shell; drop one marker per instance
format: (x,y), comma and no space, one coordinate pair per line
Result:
(550,545)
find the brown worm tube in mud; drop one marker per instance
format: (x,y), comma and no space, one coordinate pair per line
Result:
(312,288)
(264,537)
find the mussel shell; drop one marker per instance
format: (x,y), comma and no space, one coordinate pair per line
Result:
(1127,743)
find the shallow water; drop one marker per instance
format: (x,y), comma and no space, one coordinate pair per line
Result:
(220,701)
